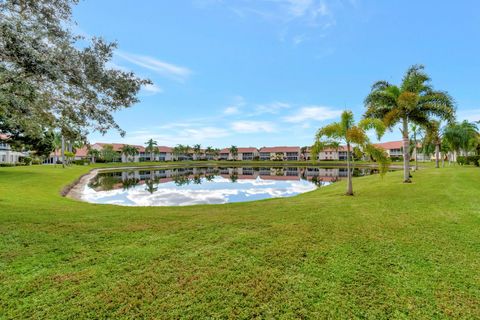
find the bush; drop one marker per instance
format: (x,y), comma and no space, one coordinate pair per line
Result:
(475,160)
(461,160)
(26,160)
(81,162)
(7,164)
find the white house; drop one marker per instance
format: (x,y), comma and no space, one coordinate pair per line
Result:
(7,155)
(249,153)
(280,153)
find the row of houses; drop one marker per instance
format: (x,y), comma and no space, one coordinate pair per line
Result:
(278,153)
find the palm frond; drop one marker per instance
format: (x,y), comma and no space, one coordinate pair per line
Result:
(415,79)
(331,131)
(438,104)
(380,85)
(373,124)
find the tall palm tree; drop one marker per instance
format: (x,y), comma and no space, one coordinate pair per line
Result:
(234,152)
(434,137)
(150,147)
(303,152)
(129,151)
(347,132)
(209,151)
(414,101)
(416,131)
(93,153)
(197,149)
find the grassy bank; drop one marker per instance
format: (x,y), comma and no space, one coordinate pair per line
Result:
(393,251)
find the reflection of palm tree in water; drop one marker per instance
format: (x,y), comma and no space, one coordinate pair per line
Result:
(279,171)
(181,179)
(150,186)
(129,183)
(234,175)
(197,179)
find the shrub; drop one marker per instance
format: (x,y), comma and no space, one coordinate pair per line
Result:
(26,161)
(475,160)
(7,164)
(81,162)
(461,160)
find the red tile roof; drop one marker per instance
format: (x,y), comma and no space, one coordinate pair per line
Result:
(280,149)
(118,146)
(82,152)
(3,136)
(240,150)
(390,145)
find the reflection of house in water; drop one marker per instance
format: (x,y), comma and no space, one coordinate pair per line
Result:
(129,178)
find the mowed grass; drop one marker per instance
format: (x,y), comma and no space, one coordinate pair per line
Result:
(393,251)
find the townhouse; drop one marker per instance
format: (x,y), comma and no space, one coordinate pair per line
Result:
(245,154)
(394,150)
(280,153)
(327,154)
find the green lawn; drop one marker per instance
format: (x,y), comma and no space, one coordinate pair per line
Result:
(393,251)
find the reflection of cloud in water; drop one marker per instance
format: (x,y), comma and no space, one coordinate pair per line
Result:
(219,190)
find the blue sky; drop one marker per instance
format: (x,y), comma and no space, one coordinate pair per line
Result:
(270,72)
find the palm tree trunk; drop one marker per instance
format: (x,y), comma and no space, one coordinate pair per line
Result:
(349,173)
(406,153)
(437,152)
(63,152)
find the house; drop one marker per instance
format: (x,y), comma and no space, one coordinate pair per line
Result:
(249,153)
(394,149)
(7,155)
(327,154)
(164,153)
(280,153)
(56,156)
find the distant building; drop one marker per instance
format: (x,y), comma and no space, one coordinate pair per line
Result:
(7,155)
(245,154)
(280,153)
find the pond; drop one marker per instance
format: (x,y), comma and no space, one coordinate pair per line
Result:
(207,185)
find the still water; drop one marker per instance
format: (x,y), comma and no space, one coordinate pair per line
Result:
(211,185)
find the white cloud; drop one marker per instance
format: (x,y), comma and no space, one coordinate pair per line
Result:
(253,126)
(152,88)
(271,108)
(234,108)
(318,113)
(161,67)
(231,110)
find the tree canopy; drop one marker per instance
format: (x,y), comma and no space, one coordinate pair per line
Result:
(51,78)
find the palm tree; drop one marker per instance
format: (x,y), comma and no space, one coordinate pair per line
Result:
(150,147)
(434,137)
(347,132)
(414,101)
(234,152)
(461,137)
(128,151)
(197,149)
(303,152)
(209,152)
(186,151)
(416,130)
(216,153)
(108,153)
(93,153)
